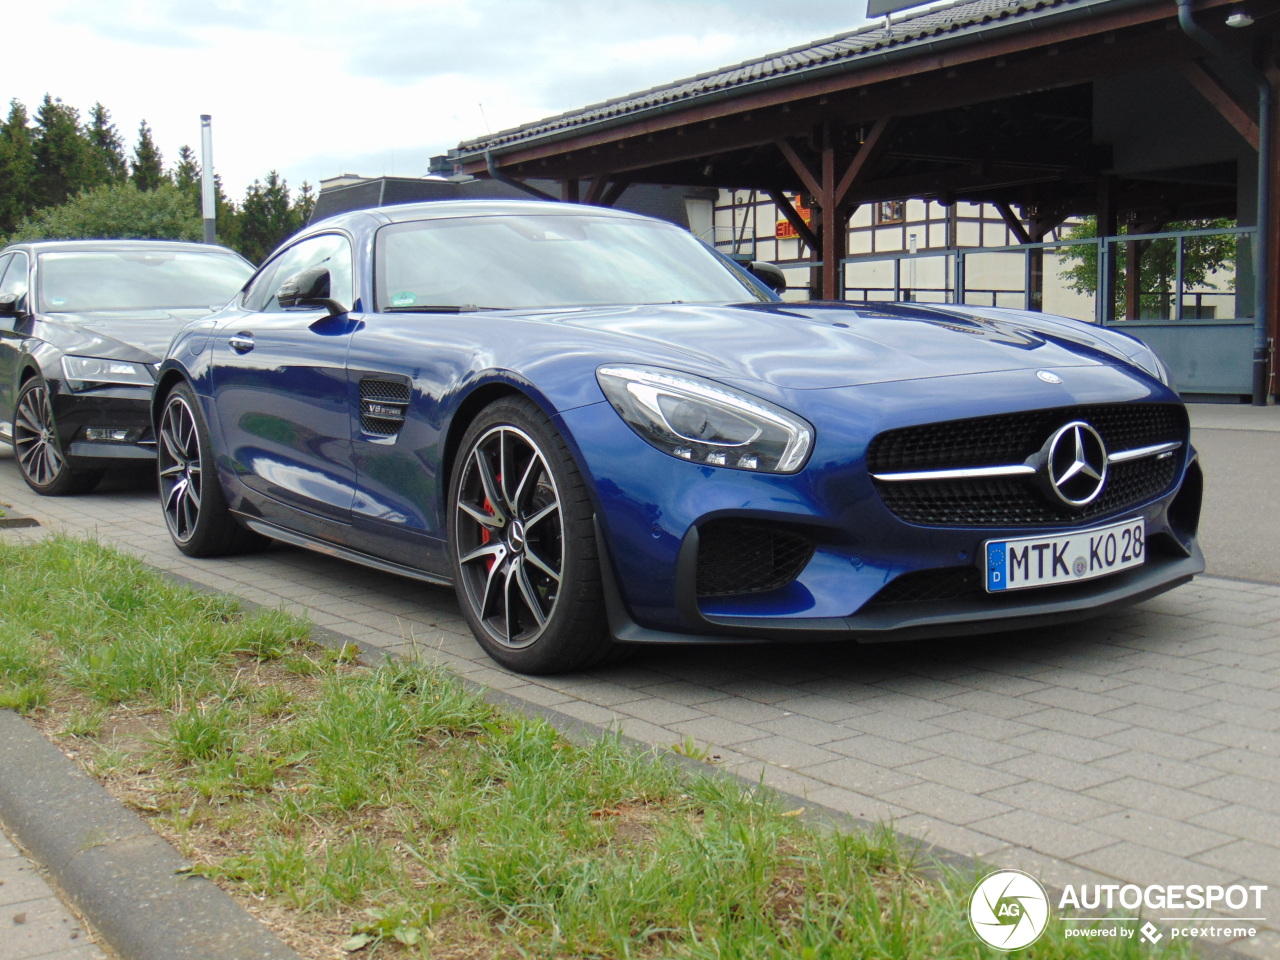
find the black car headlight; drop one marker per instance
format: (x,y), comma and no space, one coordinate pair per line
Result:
(704,421)
(83,372)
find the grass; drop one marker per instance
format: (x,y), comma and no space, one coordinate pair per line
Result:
(392,812)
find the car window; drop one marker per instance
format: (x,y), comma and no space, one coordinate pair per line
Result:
(547,261)
(77,281)
(14,280)
(331,250)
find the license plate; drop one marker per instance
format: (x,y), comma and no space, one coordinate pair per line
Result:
(1064,558)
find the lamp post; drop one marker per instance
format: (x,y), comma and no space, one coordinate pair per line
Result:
(208,201)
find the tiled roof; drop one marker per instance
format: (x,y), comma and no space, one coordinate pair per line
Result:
(957,18)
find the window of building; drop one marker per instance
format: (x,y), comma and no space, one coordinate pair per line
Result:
(891,211)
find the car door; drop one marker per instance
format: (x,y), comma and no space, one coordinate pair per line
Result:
(280,391)
(13,279)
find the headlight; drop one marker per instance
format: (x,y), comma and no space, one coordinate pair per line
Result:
(82,372)
(702,421)
(1150,361)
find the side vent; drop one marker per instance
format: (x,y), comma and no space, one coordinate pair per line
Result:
(383,404)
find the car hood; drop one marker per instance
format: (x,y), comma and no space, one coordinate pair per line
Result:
(141,335)
(817,346)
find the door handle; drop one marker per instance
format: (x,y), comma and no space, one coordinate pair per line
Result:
(241,342)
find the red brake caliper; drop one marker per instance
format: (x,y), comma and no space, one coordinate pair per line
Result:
(485,536)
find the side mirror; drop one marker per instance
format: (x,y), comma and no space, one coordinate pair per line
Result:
(768,274)
(309,288)
(9,304)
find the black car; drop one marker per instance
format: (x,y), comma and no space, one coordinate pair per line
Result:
(83,325)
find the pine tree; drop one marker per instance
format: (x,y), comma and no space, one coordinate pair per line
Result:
(148,164)
(266,217)
(106,147)
(186,176)
(63,165)
(305,204)
(17,169)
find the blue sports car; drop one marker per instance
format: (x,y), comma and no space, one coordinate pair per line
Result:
(599,431)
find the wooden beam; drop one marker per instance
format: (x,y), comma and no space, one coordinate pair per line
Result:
(870,150)
(801,168)
(783,204)
(599,181)
(1012,222)
(1241,118)
(616,189)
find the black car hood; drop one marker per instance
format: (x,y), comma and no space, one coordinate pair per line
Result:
(139,335)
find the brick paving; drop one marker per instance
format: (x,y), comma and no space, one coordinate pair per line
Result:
(1142,746)
(34,925)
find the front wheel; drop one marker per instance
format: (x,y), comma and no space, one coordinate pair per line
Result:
(41,460)
(195,509)
(524,552)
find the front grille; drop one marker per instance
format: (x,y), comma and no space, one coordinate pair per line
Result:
(382,406)
(735,558)
(1011,439)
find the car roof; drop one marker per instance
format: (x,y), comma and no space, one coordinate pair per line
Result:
(60,246)
(446,209)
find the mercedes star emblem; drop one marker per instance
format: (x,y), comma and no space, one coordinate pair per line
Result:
(1077,464)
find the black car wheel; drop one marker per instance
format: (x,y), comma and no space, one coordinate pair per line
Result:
(525,559)
(195,509)
(40,457)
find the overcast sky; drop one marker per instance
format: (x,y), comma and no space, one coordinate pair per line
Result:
(322,87)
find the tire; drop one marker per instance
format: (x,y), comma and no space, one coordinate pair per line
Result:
(36,447)
(523,544)
(195,508)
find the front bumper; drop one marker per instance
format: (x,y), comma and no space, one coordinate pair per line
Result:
(106,408)
(653,510)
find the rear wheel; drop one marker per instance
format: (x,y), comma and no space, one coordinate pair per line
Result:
(40,457)
(524,551)
(195,509)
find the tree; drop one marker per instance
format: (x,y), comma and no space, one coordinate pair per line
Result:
(116,211)
(148,164)
(1156,262)
(187,173)
(18,197)
(305,203)
(106,148)
(63,164)
(266,218)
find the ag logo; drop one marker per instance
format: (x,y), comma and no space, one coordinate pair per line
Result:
(1008,910)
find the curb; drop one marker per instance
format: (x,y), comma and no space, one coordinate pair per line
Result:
(129,882)
(10,519)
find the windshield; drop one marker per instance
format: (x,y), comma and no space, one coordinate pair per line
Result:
(547,261)
(76,281)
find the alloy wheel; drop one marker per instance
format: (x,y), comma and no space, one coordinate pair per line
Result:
(179,469)
(34,440)
(510,536)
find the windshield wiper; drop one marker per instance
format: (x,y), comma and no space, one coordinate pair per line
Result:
(435,308)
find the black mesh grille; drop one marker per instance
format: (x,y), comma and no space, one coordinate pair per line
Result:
(1011,439)
(738,558)
(382,406)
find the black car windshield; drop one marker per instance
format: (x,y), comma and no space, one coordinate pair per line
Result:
(547,261)
(77,281)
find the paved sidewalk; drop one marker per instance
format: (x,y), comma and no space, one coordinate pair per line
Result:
(34,925)
(1141,747)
